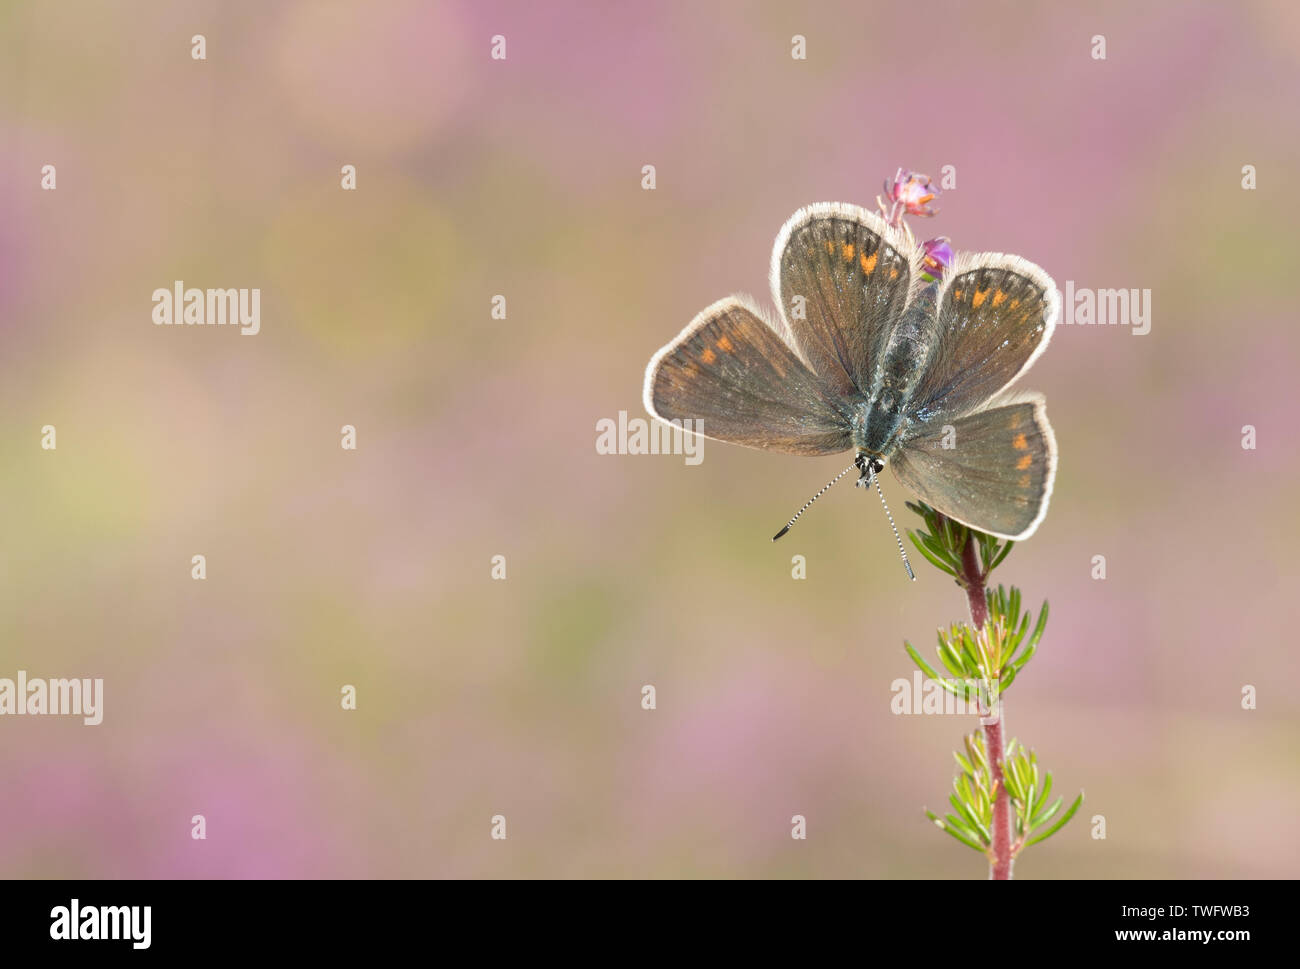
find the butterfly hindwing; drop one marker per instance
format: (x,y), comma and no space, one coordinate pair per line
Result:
(992,470)
(732,372)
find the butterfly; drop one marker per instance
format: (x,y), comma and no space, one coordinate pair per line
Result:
(869,354)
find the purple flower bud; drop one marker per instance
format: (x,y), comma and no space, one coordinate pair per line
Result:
(937,258)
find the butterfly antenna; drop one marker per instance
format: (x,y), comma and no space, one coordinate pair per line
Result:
(901,551)
(812,499)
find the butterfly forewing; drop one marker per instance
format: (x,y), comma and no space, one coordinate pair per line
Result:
(996,314)
(732,372)
(841,279)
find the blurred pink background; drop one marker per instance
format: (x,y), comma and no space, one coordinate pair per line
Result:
(476,437)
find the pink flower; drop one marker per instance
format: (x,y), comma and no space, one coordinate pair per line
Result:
(911,193)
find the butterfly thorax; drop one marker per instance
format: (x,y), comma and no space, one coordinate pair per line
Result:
(879,419)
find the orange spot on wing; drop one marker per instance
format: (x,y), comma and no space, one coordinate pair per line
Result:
(893,272)
(1019,443)
(958,293)
(1015,303)
(978,297)
(999,297)
(724,345)
(708,356)
(1024,462)
(830,247)
(848,251)
(868,263)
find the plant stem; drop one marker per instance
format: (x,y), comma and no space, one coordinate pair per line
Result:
(1000,862)
(972,580)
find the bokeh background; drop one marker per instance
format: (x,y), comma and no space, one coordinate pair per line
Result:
(476,438)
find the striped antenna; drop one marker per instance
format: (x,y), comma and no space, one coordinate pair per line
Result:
(812,499)
(901,551)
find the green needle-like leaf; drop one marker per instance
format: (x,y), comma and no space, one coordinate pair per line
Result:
(946,683)
(1008,677)
(968,648)
(1018,663)
(1012,784)
(957,824)
(964,812)
(942,826)
(1039,627)
(1020,631)
(1044,816)
(937,559)
(962,785)
(980,829)
(1006,550)
(1014,774)
(936,546)
(925,667)
(1047,790)
(950,660)
(1059,824)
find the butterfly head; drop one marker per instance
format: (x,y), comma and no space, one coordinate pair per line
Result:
(869,465)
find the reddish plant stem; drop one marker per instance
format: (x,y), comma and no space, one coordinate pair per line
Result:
(972,580)
(1001,862)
